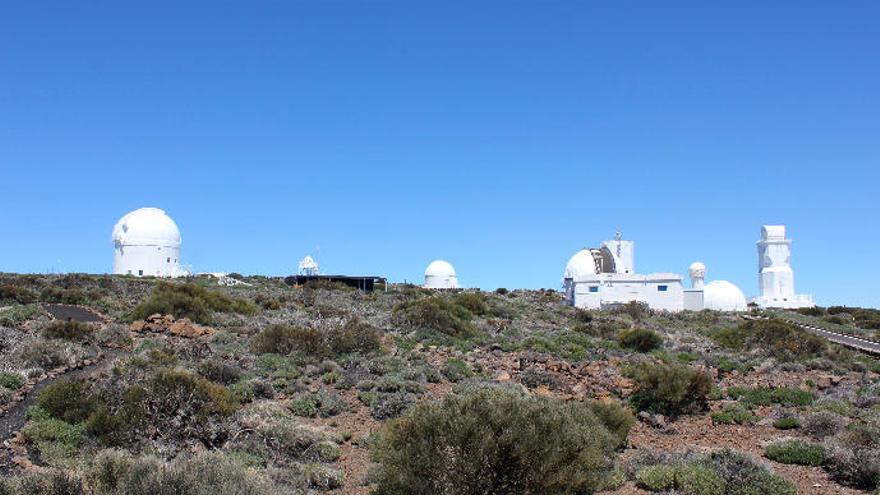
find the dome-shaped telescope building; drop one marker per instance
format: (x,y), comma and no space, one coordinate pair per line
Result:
(440,274)
(146,242)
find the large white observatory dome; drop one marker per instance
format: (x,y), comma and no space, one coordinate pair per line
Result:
(146,243)
(722,295)
(440,274)
(580,265)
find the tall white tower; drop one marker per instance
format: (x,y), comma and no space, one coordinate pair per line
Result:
(147,243)
(775,276)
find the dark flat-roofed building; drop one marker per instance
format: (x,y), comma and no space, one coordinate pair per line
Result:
(365,283)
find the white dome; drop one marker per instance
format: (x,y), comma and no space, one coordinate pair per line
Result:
(440,275)
(722,295)
(146,227)
(697,268)
(440,268)
(580,265)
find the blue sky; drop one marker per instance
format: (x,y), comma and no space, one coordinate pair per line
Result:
(502,136)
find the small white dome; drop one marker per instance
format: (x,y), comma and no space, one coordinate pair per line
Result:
(440,274)
(146,227)
(697,269)
(722,295)
(580,265)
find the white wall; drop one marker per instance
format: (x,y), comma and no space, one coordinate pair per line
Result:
(621,289)
(441,282)
(157,261)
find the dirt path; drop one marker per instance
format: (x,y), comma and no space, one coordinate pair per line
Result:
(15,417)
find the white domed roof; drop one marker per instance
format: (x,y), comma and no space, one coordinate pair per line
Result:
(146,226)
(722,295)
(580,265)
(440,268)
(697,267)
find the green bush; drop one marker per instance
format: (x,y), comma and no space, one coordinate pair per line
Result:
(181,404)
(787,423)
(473,302)
(68,330)
(494,441)
(438,314)
(456,370)
(618,420)
(12,381)
(17,294)
(322,403)
(765,396)
(795,452)
(640,339)
(57,441)
(656,478)
(44,482)
(743,475)
(734,414)
(670,389)
(286,339)
(777,338)
(216,473)
(190,301)
(691,479)
(354,336)
(68,399)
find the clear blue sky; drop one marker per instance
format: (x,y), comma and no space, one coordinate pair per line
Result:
(502,136)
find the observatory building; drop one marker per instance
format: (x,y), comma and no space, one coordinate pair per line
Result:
(440,275)
(775,276)
(147,243)
(605,277)
(719,295)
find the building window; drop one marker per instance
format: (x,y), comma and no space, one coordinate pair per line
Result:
(662,288)
(594,288)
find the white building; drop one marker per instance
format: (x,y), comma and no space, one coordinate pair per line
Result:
(775,276)
(719,295)
(147,243)
(606,277)
(440,274)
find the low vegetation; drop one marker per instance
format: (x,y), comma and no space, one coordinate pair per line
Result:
(724,472)
(670,389)
(776,338)
(190,301)
(495,441)
(795,452)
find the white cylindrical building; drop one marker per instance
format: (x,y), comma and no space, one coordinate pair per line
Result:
(147,243)
(440,275)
